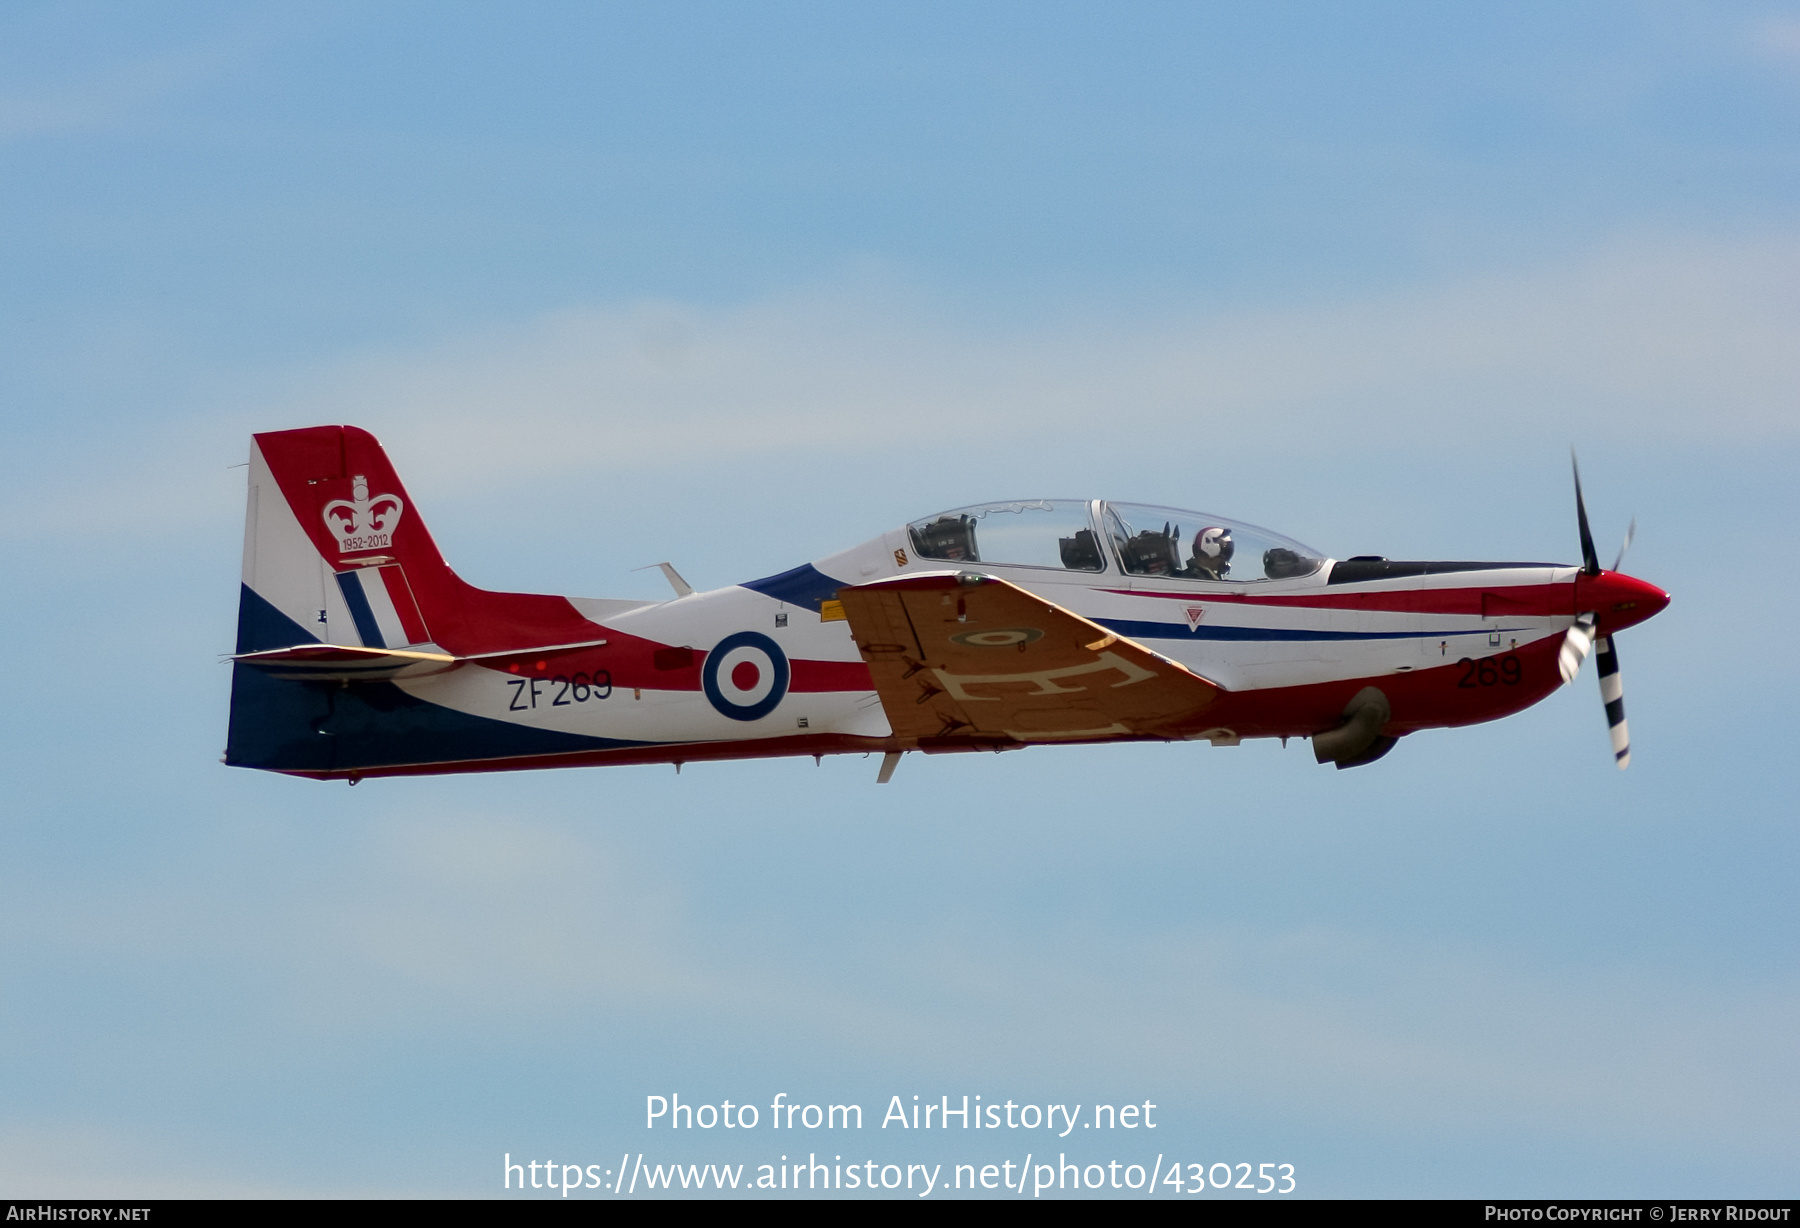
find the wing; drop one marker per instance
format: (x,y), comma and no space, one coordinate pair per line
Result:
(965,661)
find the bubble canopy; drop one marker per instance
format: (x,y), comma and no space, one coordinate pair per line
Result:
(1092,535)
(1168,541)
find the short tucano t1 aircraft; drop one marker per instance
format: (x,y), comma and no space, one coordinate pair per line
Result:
(986,628)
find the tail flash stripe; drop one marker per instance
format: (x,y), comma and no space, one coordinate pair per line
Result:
(350,583)
(382,606)
(406,610)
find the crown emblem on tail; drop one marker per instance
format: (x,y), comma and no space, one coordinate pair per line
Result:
(362,523)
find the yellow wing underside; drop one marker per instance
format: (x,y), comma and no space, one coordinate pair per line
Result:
(965,661)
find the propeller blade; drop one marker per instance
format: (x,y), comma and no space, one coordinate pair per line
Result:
(1612,691)
(1630,532)
(1590,561)
(1575,647)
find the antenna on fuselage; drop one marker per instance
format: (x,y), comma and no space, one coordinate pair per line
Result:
(682,587)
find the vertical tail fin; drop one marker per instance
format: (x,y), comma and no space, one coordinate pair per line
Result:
(333,548)
(335,552)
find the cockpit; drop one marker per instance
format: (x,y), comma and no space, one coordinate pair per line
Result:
(1091,535)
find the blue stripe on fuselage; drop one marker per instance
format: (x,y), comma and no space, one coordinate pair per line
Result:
(1139,630)
(291,725)
(804,586)
(294,726)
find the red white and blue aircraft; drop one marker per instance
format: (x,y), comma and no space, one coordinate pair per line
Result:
(987,628)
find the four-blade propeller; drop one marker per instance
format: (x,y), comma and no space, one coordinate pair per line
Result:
(1586,636)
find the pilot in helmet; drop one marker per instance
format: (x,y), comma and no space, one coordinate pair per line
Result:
(1212,553)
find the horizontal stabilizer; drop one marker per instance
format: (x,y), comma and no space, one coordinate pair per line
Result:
(965,661)
(340,663)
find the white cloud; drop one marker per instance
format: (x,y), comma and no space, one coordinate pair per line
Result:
(61,1159)
(110,97)
(1663,341)
(1671,339)
(1779,37)
(488,924)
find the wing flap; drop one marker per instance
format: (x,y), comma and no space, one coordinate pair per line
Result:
(963,661)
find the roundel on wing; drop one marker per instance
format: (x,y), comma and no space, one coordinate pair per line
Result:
(999,637)
(745,676)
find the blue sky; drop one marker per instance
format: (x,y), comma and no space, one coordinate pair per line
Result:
(739,286)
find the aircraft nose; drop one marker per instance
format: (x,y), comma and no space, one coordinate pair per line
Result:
(1619,600)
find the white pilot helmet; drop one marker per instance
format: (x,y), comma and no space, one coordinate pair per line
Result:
(1213,547)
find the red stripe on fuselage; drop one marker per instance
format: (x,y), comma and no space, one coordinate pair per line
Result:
(1510,600)
(631,661)
(807,676)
